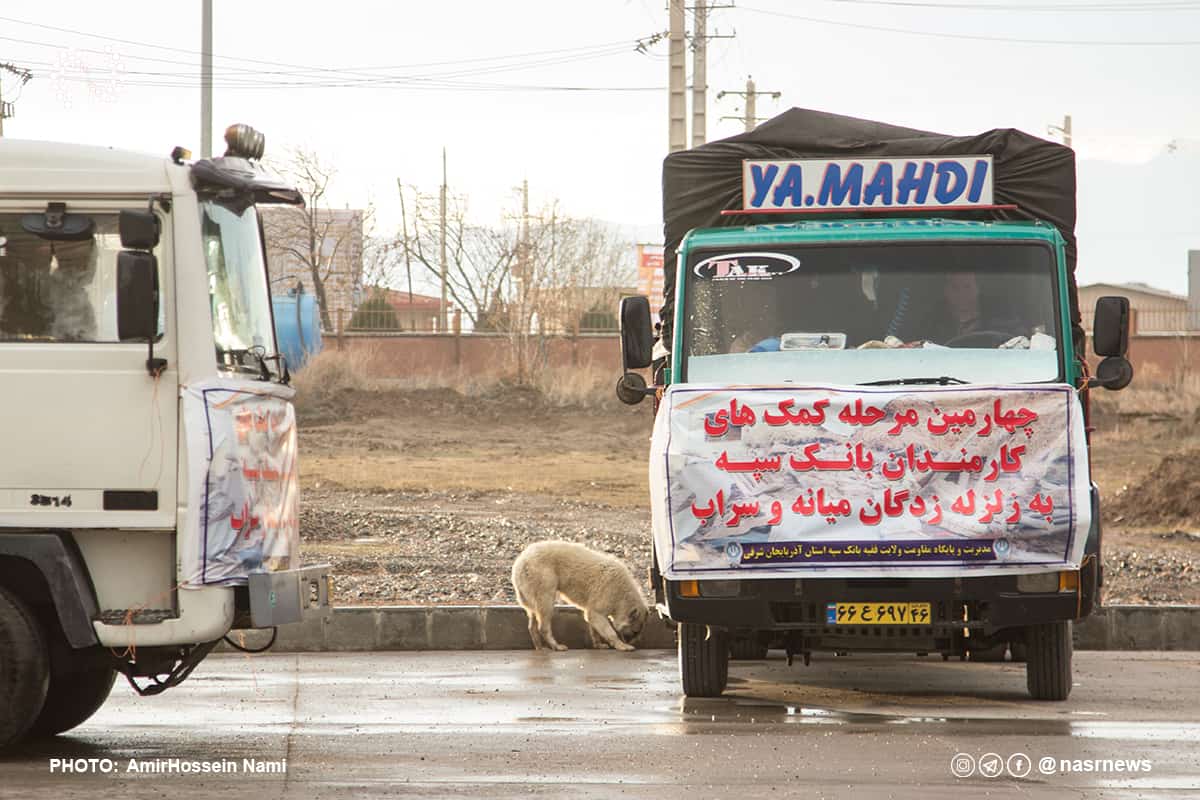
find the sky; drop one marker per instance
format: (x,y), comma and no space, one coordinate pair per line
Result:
(556,92)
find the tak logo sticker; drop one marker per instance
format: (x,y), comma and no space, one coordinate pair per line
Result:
(746,266)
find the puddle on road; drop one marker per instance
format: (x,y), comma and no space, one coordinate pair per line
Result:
(738,710)
(715,715)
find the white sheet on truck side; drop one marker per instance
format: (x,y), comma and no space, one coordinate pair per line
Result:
(243,490)
(787,481)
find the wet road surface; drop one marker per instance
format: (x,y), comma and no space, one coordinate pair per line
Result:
(605,724)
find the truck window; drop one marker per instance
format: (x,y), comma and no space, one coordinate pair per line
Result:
(856,313)
(59,291)
(237,283)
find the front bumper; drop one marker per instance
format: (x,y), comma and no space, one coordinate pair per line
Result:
(983,611)
(988,603)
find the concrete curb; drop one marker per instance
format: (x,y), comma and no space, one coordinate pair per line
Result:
(365,628)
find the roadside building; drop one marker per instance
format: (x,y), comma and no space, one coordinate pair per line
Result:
(413,312)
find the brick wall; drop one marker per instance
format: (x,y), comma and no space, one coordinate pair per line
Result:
(398,356)
(1155,358)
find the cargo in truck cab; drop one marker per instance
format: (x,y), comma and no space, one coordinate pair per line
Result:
(871,399)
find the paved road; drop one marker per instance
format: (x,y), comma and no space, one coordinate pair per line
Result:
(605,724)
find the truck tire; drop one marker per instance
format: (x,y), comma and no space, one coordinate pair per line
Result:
(1048,660)
(703,660)
(24,668)
(74,696)
(747,648)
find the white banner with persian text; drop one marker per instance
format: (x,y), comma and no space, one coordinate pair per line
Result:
(243,488)
(911,481)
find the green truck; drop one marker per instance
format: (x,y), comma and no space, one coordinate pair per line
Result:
(871,399)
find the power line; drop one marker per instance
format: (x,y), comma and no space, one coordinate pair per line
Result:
(439,80)
(251,76)
(310,77)
(971,37)
(367,72)
(1088,7)
(413,84)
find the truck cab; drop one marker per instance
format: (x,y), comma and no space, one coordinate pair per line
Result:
(871,435)
(134,319)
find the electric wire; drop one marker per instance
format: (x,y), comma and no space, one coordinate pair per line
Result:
(972,37)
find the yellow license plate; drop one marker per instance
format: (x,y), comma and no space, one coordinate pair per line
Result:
(877,613)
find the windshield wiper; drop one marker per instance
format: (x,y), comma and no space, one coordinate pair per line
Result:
(944,380)
(236,358)
(285,376)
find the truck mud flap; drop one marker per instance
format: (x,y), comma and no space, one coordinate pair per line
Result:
(54,556)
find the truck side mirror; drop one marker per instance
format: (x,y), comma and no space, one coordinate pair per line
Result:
(139,230)
(637,348)
(1110,338)
(1110,326)
(137,296)
(637,335)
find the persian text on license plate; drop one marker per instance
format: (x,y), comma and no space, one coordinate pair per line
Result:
(877,613)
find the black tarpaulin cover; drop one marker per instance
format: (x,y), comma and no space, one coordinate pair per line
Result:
(1033,174)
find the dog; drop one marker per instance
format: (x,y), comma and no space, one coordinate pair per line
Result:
(596,583)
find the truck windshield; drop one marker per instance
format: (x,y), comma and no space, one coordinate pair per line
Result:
(237,286)
(859,313)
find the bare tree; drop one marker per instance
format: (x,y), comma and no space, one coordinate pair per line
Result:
(565,268)
(529,277)
(479,257)
(322,241)
(588,266)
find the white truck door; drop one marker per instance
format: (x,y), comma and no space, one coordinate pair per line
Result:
(89,437)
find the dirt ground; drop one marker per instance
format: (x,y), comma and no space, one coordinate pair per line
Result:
(419,496)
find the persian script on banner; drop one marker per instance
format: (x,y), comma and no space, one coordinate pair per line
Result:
(243,493)
(768,482)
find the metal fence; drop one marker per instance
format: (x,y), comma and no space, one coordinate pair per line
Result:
(373,319)
(1145,320)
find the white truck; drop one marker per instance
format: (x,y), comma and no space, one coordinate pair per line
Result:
(148,492)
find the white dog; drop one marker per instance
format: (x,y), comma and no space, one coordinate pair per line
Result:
(598,584)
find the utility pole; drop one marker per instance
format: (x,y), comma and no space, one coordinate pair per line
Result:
(404,228)
(676,80)
(6,109)
(751,105)
(1064,129)
(442,318)
(523,243)
(699,73)
(751,94)
(520,326)
(700,37)
(206,78)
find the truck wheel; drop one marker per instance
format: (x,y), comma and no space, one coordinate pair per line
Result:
(747,648)
(1048,660)
(74,695)
(703,660)
(24,668)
